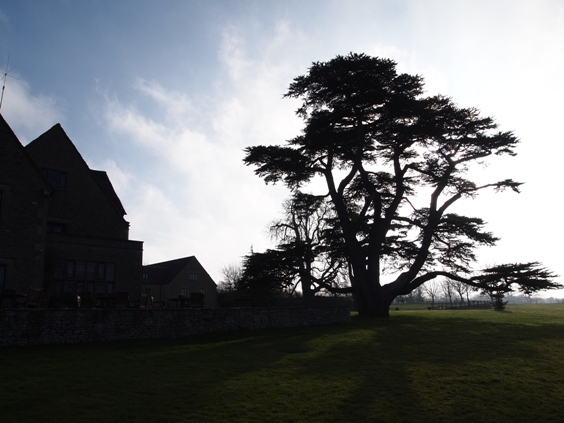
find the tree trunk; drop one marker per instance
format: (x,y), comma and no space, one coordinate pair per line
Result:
(307,293)
(373,303)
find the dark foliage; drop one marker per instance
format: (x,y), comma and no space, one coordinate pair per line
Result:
(309,252)
(527,278)
(266,274)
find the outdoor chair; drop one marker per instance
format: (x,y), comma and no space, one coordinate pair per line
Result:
(33,299)
(158,304)
(9,298)
(143,300)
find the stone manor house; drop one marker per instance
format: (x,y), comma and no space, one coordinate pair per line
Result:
(62,229)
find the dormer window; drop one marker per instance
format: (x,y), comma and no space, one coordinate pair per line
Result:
(55,177)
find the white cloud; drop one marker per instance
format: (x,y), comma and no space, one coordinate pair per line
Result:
(194,195)
(29,114)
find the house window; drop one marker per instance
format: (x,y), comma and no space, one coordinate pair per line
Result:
(193,276)
(1,192)
(62,179)
(110,272)
(70,269)
(145,276)
(83,275)
(90,271)
(2,274)
(101,270)
(56,178)
(184,292)
(80,269)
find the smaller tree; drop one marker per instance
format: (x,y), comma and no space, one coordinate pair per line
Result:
(528,278)
(432,290)
(447,290)
(461,289)
(308,254)
(267,275)
(232,275)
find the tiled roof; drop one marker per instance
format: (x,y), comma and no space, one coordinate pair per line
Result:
(164,273)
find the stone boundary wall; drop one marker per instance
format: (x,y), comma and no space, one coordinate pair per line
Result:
(47,326)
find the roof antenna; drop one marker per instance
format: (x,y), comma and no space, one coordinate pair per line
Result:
(4,78)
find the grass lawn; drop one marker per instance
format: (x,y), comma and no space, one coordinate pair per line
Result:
(416,366)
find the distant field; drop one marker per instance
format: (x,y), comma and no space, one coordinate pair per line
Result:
(416,366)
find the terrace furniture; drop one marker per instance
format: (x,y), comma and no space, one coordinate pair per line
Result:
(158,304)
(9,298)
(106,301)
(34,297)
(141,303)
(179,302)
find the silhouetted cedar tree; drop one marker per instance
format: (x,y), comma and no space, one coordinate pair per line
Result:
(527,278)
(379,145)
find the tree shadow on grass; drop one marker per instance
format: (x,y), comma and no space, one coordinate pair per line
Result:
(406,368)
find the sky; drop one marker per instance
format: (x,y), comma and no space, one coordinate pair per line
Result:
(165,95)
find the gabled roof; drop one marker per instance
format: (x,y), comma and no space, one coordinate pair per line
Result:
(9,137)
(58,134)
(165,272)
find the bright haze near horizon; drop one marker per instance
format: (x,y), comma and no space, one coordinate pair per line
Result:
(164,96)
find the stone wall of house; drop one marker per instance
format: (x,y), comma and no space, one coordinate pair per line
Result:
(127,257)
(81,204)
(47,326)
(23,214)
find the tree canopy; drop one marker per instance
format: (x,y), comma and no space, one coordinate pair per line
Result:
(379,144)
(309,251)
